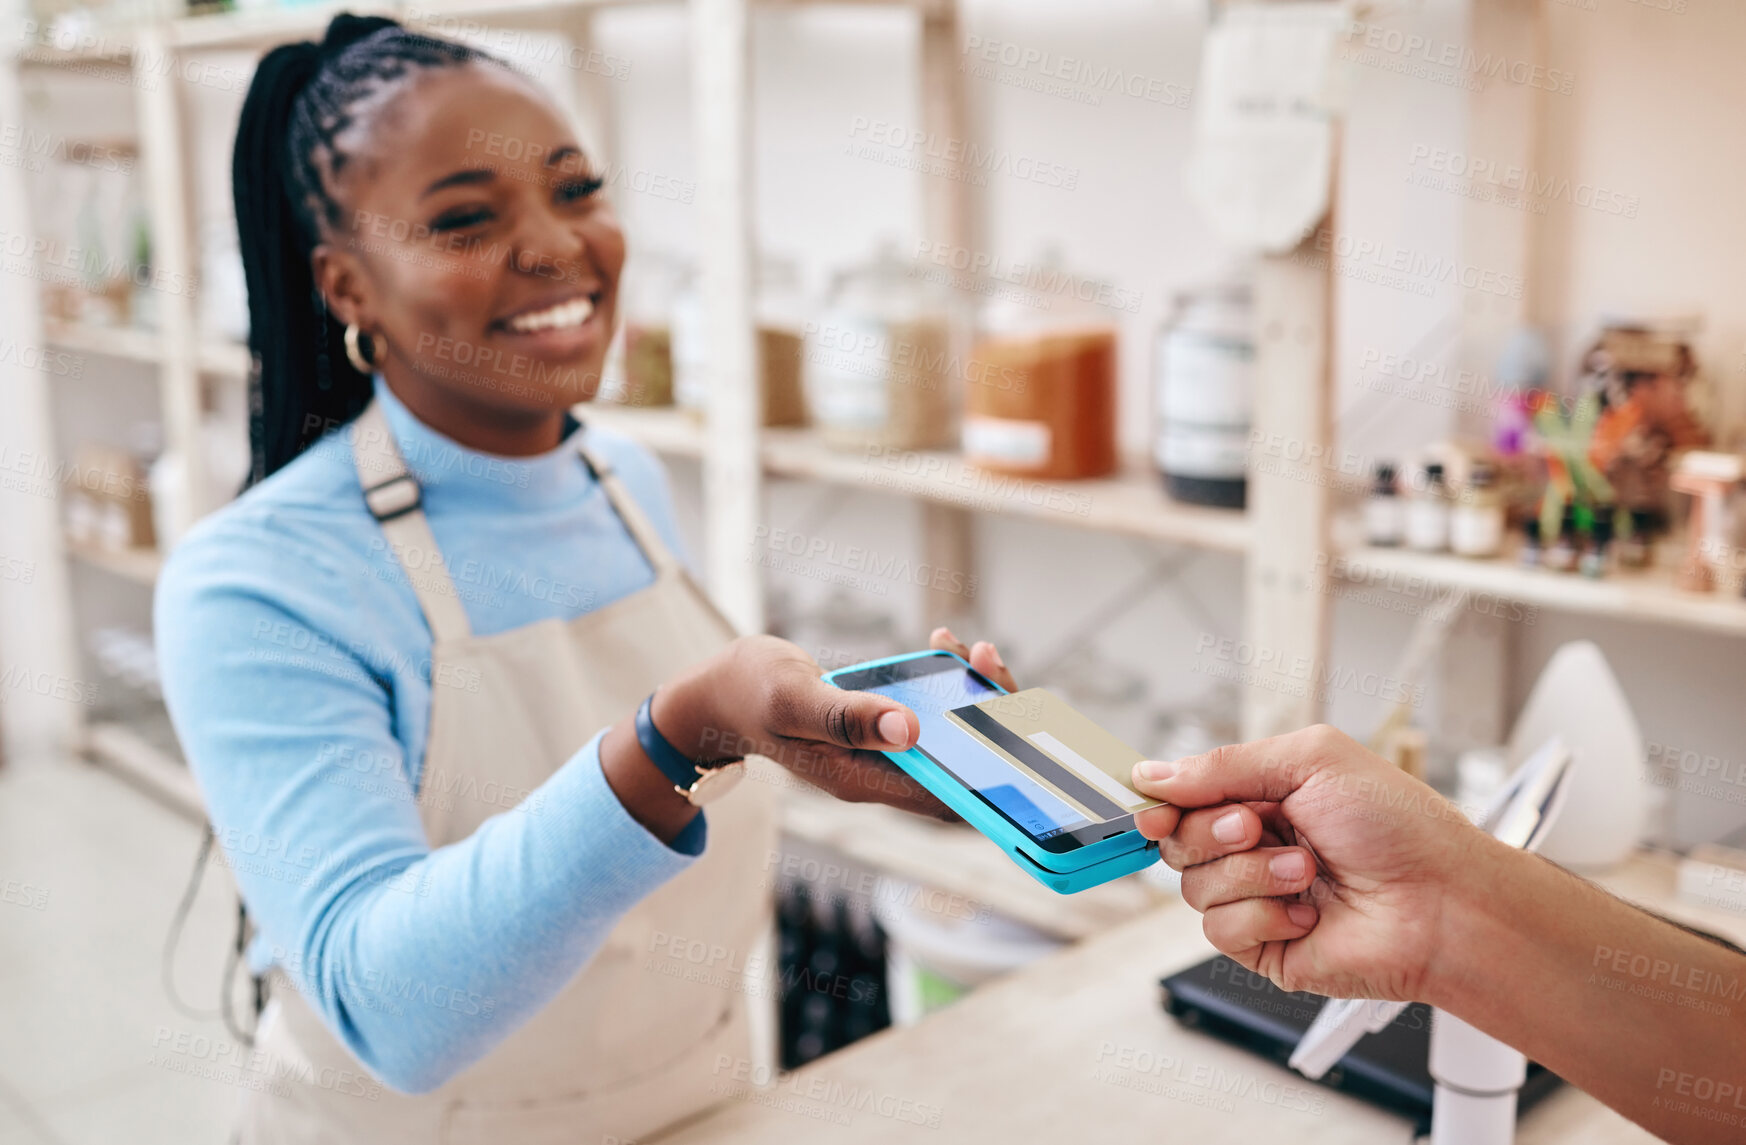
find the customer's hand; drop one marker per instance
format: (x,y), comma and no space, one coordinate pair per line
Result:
(763,695)
(983,656)
(1316,862)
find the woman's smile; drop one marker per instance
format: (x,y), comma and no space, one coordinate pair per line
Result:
(559,326)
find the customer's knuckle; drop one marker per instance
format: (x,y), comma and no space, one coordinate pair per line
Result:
(1323,739)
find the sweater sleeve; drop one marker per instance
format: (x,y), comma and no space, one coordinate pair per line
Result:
(420,960)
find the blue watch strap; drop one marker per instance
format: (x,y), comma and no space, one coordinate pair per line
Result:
(680,771)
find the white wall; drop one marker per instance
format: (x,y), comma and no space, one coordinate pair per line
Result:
(1657,118)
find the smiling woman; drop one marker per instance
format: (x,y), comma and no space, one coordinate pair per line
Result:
(501,267)
(432,276)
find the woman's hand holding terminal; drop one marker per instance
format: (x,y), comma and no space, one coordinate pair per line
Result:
(763,695)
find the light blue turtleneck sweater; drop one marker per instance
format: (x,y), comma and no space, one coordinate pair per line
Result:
(296,666)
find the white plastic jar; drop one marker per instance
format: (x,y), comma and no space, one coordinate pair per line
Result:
(1203,379)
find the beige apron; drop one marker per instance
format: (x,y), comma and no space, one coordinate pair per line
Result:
(638,1039)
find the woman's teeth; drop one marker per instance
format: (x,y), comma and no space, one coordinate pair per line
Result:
(559,317)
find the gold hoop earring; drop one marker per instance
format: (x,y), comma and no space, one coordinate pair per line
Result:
(355,354)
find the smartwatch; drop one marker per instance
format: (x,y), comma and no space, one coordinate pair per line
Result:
(698,783)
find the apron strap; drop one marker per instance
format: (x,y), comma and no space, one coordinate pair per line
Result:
(636,522)
(646,536)
(395,500)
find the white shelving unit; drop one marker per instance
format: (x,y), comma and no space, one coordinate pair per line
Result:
(180,359)
(1286,609)
(1129,504)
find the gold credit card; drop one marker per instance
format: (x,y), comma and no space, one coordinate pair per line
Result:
(1040,734)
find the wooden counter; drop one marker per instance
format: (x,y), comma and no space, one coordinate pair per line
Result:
(1076,1049)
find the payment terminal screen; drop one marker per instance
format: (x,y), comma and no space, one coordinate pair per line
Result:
(1037,811)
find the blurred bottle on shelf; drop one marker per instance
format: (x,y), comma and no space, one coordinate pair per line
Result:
(143,297)
(1561,554)
(106,500)
(1636,548)
(224,299)
(876,358)
(1427,515)
(795,935)
(1384,514)
(94,253)
(640,372)
(1476,523)
(126,654)
(832,970)
(868,1008)
(779,312)
(1532,554)
(1203,393)
(781,309)
(1650,390)
(1040,386)
(1597,557)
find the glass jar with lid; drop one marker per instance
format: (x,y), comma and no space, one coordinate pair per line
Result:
(1203,378)
(878,358)
(779,311)
(1040,381)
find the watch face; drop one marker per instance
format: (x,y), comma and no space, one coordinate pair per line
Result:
(716,782)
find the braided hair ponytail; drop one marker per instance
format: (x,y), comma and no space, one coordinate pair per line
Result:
(283,173)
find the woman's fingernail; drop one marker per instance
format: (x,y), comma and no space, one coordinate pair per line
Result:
(998,662)
(1300,913)
(949,635)
(1154,769)
(894,729)
(1228,828)
(1287,867)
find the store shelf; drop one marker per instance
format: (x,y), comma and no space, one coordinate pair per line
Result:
(956,860)
(1133,504)
(138,565)
(509,13)
(258,28)
(255,30)
(108,56)
(666,430)
(133,343)
(136,344)
(1647,596)
(143,761)
(225,359)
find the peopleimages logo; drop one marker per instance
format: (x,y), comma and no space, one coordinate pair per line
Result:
(1072,77)
(1045,280)
(26,142)
(1526,180)
(932,153)
(1353,253)
(1427,51)
(857,558)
